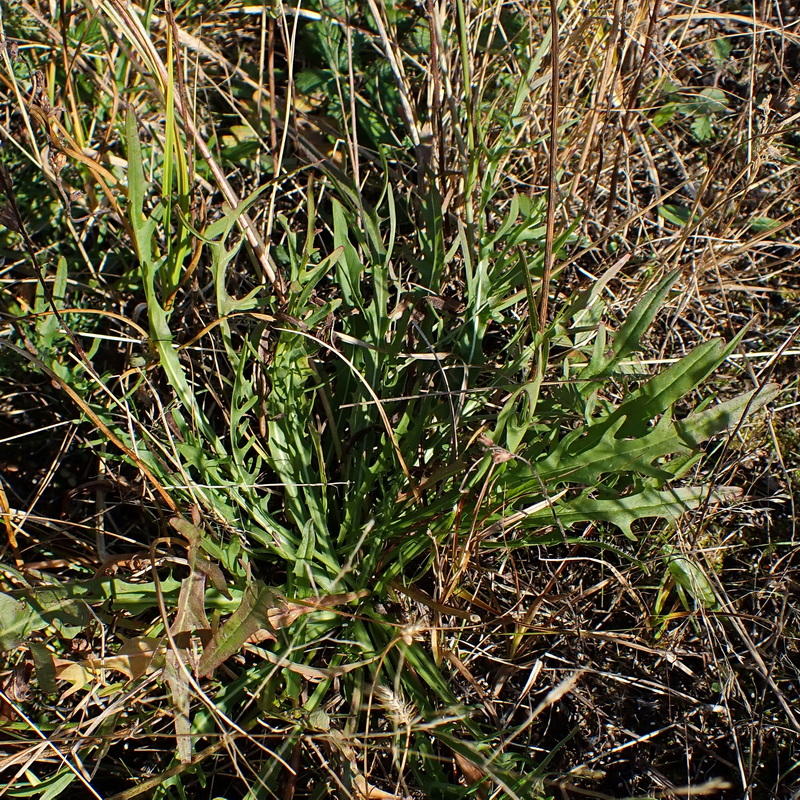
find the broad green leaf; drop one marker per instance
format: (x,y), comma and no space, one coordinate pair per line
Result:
(250,617)
(575,461)
(721,49)
(657,395)
(584,455)
(713,100)
(664,114)
(17,620)
(68,615)
(45,667)
(702,127)
(648,503)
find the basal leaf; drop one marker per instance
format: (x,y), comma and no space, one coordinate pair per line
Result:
(69,615)
(668,504)
(657,395)
(45,667)
(250,617)
(17,620)
(699,427)
(627,338)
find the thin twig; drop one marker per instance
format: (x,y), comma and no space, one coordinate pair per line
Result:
(552,168)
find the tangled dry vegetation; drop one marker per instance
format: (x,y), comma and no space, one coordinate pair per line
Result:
(310,488)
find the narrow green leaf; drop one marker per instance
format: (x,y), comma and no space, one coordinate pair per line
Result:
(762,224)
(136,183)
(676,214)
(691,577)
(143,227)
(348,267)
(668,504)
(626,341)
(45,667)
(699,427)
(47,327)
(47,789)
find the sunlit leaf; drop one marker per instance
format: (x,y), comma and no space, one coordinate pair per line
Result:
(17,620)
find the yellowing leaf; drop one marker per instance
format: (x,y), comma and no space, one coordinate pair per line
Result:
(366,791)
(139,656)
(77,674)
(289,610)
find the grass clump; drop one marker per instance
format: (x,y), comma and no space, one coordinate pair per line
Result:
(366,486)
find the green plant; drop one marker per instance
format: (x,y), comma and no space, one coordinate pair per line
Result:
(701,108)
(334,445)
